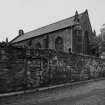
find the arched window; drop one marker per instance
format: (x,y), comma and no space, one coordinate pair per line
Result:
(86,42)
(30,42)
(37,45)
(59,44)
(77,41)
(78,35)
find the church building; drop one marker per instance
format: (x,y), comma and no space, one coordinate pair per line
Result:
(69,35)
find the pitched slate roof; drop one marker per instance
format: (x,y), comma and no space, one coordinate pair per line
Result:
(46,29)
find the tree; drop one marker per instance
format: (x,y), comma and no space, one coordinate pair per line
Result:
(94,45)
(101,44)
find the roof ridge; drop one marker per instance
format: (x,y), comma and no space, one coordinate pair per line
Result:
(43,29)
(57,22)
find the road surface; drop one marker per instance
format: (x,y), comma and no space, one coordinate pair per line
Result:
(92,93)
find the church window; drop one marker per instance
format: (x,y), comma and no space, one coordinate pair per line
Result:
(37,45)
(46,42)
(86,37)
(86,41)
(78,35)
(59,44)
(77,41)
(30,42)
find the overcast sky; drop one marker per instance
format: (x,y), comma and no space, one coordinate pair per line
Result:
(32,14)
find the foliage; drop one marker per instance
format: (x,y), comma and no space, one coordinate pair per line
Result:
(101,44)
(94,46)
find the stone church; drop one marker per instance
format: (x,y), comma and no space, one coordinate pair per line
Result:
(69,35)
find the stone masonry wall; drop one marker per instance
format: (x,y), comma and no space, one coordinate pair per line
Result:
(42,67)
